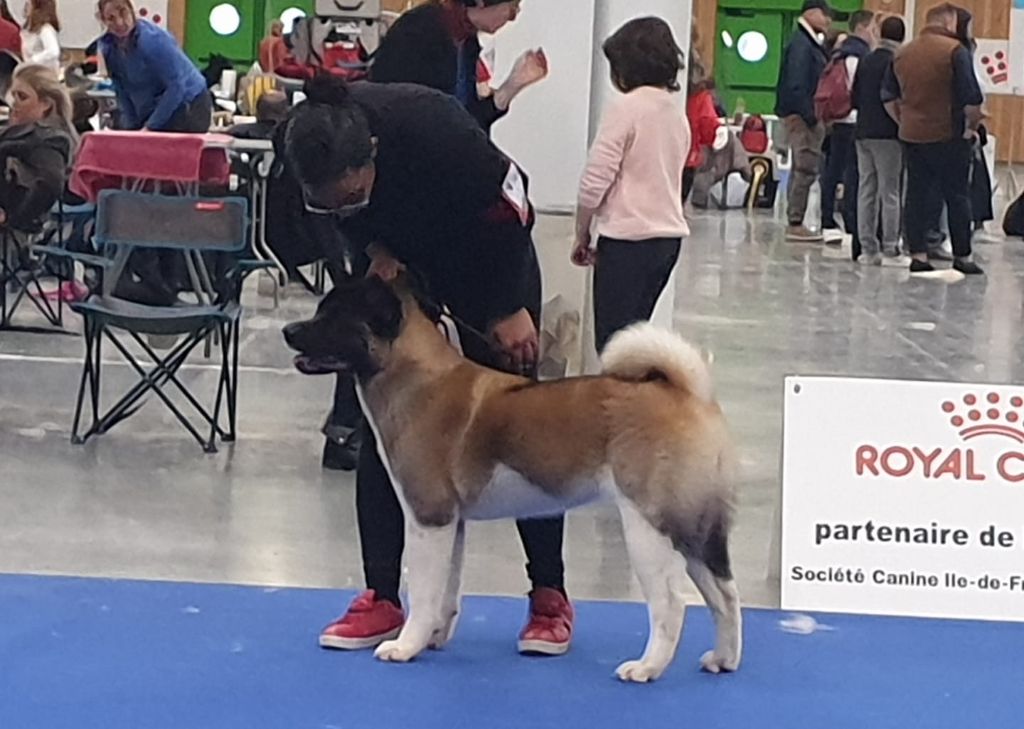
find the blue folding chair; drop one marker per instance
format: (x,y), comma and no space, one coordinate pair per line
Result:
(129,222)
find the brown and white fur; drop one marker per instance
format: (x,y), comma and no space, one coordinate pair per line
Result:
(461,442)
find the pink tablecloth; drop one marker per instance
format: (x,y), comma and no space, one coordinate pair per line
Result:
(108,159)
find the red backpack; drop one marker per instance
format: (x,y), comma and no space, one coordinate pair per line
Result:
(754,134)
(832,99)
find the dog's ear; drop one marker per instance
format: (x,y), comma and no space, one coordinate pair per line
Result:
(410,286)
(383,308)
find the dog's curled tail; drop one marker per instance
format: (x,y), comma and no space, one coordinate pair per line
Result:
(645,352)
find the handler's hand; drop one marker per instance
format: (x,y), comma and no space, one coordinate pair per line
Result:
(516,336)
(384,266)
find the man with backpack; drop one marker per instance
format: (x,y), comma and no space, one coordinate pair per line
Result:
(833,102)
(803,60)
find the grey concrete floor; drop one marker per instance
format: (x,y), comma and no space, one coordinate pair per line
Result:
(144,502)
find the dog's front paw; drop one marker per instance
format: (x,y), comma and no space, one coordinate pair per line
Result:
(714,663)
(638,672)
(393,651)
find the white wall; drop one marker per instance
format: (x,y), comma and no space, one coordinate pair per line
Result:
(546,128)
(550,126)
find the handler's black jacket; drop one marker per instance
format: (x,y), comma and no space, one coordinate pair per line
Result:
(420,49)
(438,205)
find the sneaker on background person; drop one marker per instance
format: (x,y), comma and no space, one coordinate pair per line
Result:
(895,259)
(837,238)
(803,234)
(967,267)
(919,265)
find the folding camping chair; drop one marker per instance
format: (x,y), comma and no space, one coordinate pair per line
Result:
(127,222)
(25,265)
(20,274)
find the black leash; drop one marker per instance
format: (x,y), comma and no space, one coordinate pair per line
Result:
(439,314)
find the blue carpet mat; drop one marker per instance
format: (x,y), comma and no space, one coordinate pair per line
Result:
(84,653)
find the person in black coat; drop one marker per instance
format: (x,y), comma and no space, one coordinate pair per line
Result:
(436,45)
(803,60)
(413,181)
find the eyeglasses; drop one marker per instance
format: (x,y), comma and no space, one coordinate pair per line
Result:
(340,211)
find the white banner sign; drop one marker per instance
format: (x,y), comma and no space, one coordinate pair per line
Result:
(903,498)
(992,66)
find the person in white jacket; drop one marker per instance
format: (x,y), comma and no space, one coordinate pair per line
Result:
(40,44)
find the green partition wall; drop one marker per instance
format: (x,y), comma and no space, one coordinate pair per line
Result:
(750,36)
(234,28)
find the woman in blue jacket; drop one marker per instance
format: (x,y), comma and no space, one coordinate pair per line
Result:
(158,88)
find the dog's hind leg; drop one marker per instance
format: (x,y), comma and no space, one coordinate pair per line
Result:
(453,593)
(659,568)
(429,552)
(712,575)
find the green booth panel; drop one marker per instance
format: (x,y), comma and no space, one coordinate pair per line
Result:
(791,7)
(232,29)
(750,38)
(747,56)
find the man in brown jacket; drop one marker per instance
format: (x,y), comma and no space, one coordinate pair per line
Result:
(934,95)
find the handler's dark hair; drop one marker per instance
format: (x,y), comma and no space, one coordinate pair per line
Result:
(644,52)
(328,134)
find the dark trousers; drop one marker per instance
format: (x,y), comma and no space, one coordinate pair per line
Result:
(936,173)
(196,116)
(380,518)
(841,167)
(629,276)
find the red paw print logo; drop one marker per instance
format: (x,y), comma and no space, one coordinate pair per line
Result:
(156,17)
(975,416)
(996,67)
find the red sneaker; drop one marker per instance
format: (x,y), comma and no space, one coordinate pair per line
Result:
(368,623)
(549,631)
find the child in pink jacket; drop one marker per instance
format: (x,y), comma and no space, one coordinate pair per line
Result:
(631,190)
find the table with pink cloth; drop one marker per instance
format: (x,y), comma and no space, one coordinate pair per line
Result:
(115,159)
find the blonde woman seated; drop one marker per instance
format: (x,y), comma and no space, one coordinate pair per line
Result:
(36,148)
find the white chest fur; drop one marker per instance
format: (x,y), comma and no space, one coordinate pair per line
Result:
(508,494)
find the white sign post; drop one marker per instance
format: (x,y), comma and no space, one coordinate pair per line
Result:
(903,498)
